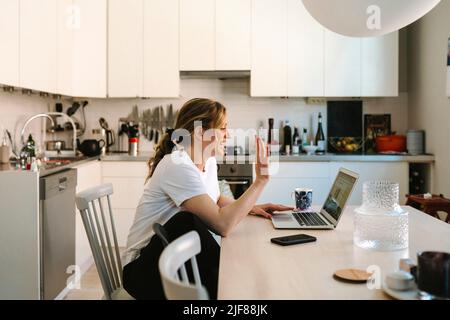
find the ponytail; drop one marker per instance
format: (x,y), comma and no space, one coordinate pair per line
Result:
(165,146)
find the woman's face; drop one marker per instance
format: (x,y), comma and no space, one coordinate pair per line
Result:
(214,141)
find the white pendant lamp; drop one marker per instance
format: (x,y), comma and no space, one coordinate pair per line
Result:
(367,18)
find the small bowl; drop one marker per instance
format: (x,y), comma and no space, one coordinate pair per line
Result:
(310,149)
(275,148)
(400,280)
(346,144)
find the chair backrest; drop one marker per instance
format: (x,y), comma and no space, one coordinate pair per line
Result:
(101,233)
(161,233)
(173,257)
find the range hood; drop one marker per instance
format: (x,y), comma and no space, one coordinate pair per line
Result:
(221,75)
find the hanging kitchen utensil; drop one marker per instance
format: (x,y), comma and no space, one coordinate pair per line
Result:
(156,125)
(161,121)
(170,118)
(152,124)
(144,127)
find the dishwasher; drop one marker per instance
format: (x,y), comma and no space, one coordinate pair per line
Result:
(57,230)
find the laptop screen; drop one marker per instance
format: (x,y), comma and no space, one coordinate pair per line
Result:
(342,187)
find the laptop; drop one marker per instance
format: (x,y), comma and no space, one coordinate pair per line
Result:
(331,211)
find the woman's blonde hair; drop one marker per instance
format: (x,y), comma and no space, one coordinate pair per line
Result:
(210,113)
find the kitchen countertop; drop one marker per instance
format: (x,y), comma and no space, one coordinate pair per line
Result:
(52,168)
(357,158)
(123,156)
(145,156)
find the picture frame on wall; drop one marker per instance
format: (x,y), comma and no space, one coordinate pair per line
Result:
(375,125)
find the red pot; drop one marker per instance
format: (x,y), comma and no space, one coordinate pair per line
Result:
(391,143)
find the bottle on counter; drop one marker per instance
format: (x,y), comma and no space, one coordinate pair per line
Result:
(287,137)
(305,141)
(296,142)
(320,137)
(270,134)
(28,153)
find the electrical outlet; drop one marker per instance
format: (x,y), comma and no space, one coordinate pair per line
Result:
(313,100)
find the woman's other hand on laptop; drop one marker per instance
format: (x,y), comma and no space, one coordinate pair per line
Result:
(266,210)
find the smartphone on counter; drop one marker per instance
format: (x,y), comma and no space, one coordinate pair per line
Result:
(293,239)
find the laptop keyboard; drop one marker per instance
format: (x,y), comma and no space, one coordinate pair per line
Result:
(308,219)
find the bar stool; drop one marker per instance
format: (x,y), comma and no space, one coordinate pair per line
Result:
(431,205)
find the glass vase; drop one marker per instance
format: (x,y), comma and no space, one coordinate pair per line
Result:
(380,223)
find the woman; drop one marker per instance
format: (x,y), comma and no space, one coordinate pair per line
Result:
(182,193)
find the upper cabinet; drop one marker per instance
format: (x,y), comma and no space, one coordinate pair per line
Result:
(215,35)
(9,44)
(38,44)
(342,65)
(90,51)
(305,52)
(197,35)
(125,48)
(380,65)
(233,34)
(269,48)
(161,48)
(67,20)
(136,48)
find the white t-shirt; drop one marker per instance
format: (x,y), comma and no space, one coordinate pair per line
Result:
(174,180)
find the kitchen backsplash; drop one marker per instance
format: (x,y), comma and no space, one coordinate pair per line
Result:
(243,111)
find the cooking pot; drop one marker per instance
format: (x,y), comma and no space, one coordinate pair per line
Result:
(55,145)
(91,147)
(391,143)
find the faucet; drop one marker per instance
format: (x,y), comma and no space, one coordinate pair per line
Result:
(48,116)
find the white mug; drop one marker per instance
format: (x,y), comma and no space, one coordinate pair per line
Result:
(302,198)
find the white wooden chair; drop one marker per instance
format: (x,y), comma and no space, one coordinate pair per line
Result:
(99,226)
(172,259)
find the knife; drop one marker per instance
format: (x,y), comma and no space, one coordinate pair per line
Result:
(163,121)
(156,125)
(152,124)
(170,123)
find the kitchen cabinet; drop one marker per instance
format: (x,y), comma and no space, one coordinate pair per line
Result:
(286,176)
(127,178)
(305,52)
(342,65)
(393,171)
(319,176)
(9,45)
(89,175)
(90,50)
(197,35)
(233,34)
(161,48)
(379,69)
(269,48)
(125,48)
(67,19)
(38,43)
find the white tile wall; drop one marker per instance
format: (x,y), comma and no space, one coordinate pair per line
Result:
(243,111)
(16,108)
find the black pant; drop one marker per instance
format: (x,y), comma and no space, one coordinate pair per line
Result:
(141,277)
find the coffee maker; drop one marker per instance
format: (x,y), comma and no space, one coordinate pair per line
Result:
(105,134)
(128,137)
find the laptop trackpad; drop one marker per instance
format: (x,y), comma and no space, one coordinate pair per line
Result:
(284,221)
